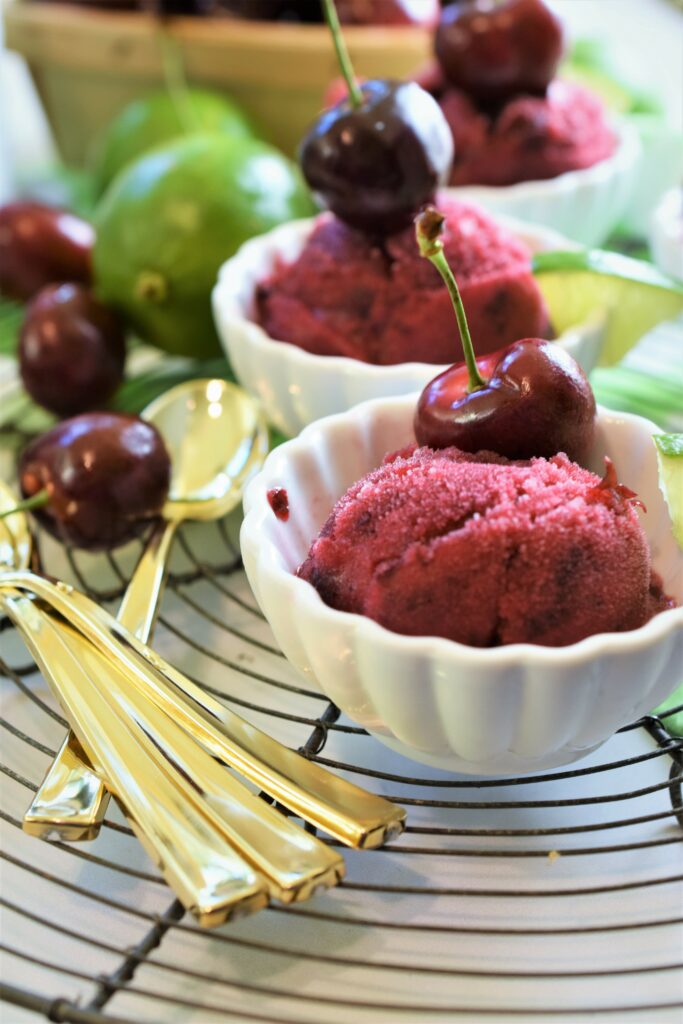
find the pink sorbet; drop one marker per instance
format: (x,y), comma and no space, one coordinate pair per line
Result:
(485,552)
(346,296)
(532,138)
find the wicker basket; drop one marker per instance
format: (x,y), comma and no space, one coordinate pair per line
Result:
(87,63)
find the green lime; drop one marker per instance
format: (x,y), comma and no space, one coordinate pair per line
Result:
(173,217)
(670,463)
(158,118)
(632,294)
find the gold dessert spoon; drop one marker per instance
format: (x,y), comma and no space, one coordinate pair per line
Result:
(187,810)
(216,437)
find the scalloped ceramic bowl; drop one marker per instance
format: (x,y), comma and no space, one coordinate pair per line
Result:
(513,709)
(585,205)
(666,233)
(297,387)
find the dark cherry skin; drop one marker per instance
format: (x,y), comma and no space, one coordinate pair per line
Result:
(376,165)
(275,10)
(494,51)
(40,245)
(107,475)
(351,12)
(536,402)
(388,12)
(71,350)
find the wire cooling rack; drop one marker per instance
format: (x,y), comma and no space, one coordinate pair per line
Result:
(556,896)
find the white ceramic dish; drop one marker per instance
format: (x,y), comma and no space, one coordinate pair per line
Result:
(513,709)
(666,233)
(296,387)
(585,205)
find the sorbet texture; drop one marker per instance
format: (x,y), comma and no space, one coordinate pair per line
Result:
(484,551)
(532,138)
(345,296)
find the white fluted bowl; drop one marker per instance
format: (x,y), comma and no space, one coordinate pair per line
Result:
(297,387)
(585,205)
(666,233)
(512,709)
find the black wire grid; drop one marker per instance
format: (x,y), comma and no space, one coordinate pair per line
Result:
(555,896)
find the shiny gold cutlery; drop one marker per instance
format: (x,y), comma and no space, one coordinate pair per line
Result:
(208,876)
(152,735)
(181,803)
(146,756)
(347,812)
(216,437)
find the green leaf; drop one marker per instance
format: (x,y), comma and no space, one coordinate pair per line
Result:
(11,317)
(138,392)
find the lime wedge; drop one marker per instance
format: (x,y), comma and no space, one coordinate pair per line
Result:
(614,95)
(673,720)
(633,295)
(670,462)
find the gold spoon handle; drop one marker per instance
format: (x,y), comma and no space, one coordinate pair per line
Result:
(351,814)
(140,603)
(208,876)
(293,861)
(71,802)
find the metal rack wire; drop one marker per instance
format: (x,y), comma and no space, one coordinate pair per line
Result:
(551,896)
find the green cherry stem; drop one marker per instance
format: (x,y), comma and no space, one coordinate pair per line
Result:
(428,226)
(332,19)
(38,500)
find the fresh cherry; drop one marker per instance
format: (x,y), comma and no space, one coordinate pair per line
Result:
(351,12)
(495,50)
(388,12)
(40,245)
(536,402)
(275,10)
(96,480)
(380,154)
(71,350)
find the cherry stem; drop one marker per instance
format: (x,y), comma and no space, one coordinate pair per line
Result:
(428,227)
(38,500)
(332,19)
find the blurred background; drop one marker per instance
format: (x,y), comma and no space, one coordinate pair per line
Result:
(640,40)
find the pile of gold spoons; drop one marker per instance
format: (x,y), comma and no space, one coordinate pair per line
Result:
(144,732)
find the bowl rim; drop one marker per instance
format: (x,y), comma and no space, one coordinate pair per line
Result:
(228,315)
(308,601)
(624,156)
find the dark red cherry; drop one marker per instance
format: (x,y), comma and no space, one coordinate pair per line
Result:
(105,476)
(388,12)
(71,350)
(275,10)
(377,164)
(537,402)
(496,50)
(40,245)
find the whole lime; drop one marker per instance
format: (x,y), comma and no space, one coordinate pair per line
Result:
(173,217)
(152,120)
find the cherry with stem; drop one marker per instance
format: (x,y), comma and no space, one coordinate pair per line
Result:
(343,59)
(429,225)
(536,402)
(376,157)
